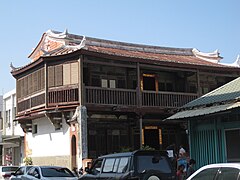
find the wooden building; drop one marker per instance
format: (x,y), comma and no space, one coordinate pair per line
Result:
(126,90)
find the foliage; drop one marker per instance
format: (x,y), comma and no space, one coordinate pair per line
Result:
(147,148)
(27,161)
(125,149)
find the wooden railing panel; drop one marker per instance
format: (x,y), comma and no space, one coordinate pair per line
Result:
(31,102)
(96,95)
(59,96)
(166,99)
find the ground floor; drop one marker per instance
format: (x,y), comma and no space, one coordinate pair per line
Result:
(87,135)
(109,134)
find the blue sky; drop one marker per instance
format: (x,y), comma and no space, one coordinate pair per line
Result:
(205,25)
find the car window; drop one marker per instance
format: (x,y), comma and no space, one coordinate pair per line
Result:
(30,172)
(123,165)
(115,167)
(56,172)
(96,168)
(9,169)
(108,165)
(206,174)
(228,173)
(149,162)
(34,172)
(19,171)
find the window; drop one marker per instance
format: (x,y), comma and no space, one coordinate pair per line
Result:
(104,83)
(207,174)
(35,129)
(108,165)
(123,165)
(228,173)
(96,167)
(112,83)
(153,163)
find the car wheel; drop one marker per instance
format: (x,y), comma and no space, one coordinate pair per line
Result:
(151,177)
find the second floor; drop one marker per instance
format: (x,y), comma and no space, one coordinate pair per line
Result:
(108,74)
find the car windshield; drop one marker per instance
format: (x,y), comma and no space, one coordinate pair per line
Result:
(56,172)
(153,163)
(9,168)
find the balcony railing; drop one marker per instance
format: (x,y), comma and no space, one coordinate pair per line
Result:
(31,102)
(106,96)
(166,99)
(63,96)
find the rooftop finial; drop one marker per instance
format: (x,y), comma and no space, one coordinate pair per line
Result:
(12,67)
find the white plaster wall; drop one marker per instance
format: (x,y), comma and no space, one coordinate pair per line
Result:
(47,141)
(9,103)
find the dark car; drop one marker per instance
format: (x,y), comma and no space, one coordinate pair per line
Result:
(141,164)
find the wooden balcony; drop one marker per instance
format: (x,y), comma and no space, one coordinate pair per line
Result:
(107,96)
(127,97)
(31,102)
(65,96)
(166,99)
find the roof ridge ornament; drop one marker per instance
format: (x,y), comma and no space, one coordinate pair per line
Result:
(79,46)
(55,34)
(211,57)
(12,67)
(237,61)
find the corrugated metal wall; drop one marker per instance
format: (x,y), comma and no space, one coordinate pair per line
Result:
(207,143)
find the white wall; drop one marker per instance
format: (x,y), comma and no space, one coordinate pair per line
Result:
(9,104)
(47,141)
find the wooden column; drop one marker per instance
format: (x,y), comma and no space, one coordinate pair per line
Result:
(46,83)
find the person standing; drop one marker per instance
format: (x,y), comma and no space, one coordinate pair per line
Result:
(180,172)
(190,169)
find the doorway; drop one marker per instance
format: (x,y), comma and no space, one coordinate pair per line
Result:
(152,137)
(73,152)
(232,145)
(149,82)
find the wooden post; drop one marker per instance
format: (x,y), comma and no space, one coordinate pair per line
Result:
(140,131)
(46,83)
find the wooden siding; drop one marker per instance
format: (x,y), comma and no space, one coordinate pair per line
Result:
(63,96)
(30,84)
(31,102)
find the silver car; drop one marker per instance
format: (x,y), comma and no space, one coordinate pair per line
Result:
(20,172)
(49,173)
(221,171)
(5,171)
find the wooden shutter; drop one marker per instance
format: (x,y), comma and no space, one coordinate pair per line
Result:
(66,74)
(58,75)
(50,76)
(74,73)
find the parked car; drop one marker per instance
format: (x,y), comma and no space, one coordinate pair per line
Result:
(48,173)
(19,172)
(221,171)
(5,171)
(139,164)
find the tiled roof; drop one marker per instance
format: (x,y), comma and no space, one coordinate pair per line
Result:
(173,58)
(55,43)
(226,93)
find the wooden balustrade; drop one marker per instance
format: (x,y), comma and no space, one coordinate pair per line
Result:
(104,96)
(107,96)
(166,99)
(63,96)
